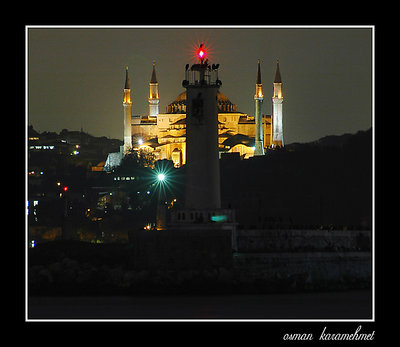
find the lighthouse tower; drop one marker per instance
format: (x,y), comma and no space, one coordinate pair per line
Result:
(259,97)
(127,114)
(202,162)
(154,99)
(277,101)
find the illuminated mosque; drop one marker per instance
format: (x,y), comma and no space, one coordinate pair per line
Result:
(164,134)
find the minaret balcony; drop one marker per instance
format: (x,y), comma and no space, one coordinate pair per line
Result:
(277,100)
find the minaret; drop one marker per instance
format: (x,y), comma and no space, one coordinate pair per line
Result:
(259,97)
(277,101)
(153,95)
(127,114)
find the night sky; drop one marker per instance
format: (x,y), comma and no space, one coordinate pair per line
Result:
(76,75)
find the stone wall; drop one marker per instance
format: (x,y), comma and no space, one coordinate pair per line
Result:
(285,272)
(181,249)
(201,260)
(287,260)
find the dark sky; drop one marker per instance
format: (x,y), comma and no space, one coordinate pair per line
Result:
(76,75)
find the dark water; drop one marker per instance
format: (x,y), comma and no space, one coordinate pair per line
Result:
(324,305)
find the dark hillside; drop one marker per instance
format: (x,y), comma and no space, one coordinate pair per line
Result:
(323,183)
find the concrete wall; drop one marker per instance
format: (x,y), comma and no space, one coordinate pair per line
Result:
(302,240)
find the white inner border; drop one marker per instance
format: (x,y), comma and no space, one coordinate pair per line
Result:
(27,27)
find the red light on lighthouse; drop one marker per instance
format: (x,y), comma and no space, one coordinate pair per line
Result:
(201,53)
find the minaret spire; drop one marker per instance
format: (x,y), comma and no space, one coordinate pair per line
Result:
(153,94)
(127,88)
(127,113)
(278,78)
(258,72)
(277,114)
(127,84)
(153,74)
(259,97)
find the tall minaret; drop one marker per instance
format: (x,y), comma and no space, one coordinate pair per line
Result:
(127,114)
(153,95)
(277,100)
(259,97)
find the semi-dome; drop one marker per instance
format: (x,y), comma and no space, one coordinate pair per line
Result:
(179,104)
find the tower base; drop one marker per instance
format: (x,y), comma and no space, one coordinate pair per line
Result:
(205,219)
(259,150)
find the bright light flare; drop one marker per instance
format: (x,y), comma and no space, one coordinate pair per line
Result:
(201,49)
(164,181)
(201,53)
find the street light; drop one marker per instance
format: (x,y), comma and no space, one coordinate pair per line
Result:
(161,177)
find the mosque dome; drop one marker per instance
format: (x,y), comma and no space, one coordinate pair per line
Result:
(179,104)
